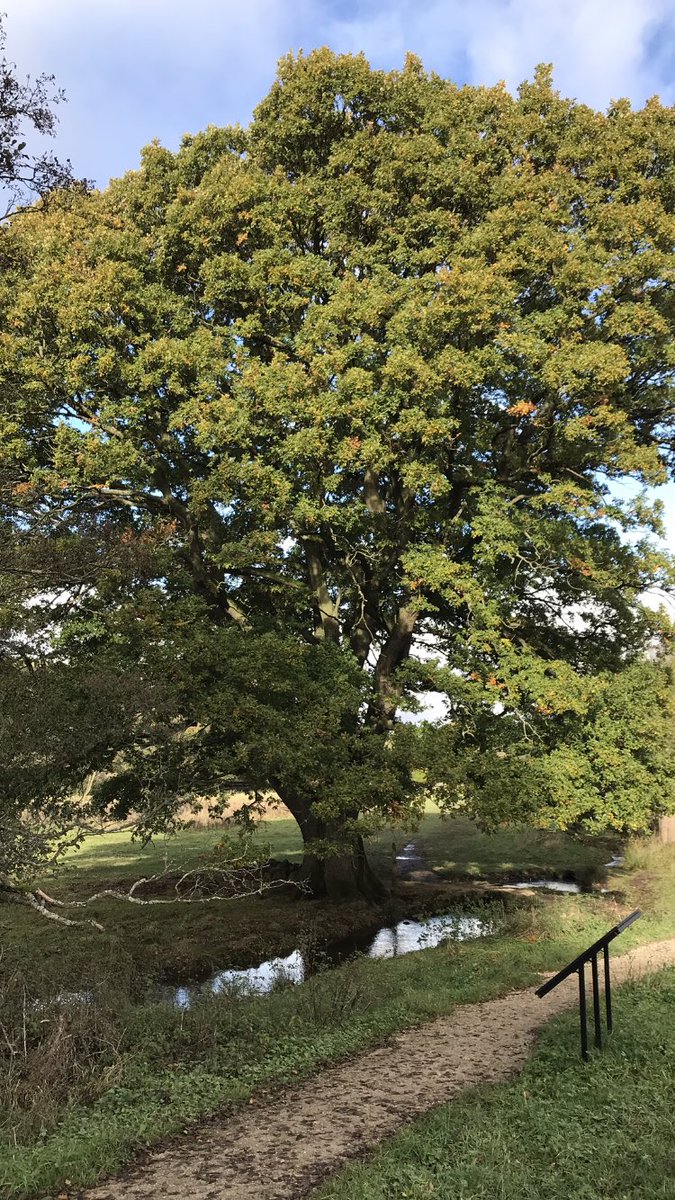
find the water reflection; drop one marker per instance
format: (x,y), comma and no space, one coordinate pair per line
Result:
(409,853)
(409,936)
(404,938)
(410,862)
(264,977)
(551,885)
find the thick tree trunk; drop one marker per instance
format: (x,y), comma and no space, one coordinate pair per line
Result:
(342,877)
(339,877)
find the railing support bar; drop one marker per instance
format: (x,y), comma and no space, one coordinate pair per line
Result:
(608,990)
(596,1002)
(582,1013)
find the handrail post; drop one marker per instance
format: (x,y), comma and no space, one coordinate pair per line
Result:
(582,1013)
(596,1001)
(608,990)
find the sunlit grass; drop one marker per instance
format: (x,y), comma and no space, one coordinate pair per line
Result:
(455,847)
(106,856)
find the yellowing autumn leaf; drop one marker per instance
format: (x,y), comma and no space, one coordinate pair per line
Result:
(522,408)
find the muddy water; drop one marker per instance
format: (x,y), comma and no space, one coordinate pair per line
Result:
(409,859)
(563,885)
(404,938)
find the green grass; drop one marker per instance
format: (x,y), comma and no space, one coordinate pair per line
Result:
(454,846)
(563,1131)
(115,857)
(95,1084)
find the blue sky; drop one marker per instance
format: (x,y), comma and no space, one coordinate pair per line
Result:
(135,70)
(139,69)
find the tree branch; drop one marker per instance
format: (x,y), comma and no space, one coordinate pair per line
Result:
(38,902)
(236,884)
(328,625)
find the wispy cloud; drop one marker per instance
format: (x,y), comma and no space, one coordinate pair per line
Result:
(138,69)
(151,68)
(601,49)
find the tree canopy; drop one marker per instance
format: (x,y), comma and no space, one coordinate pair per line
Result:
(292,403)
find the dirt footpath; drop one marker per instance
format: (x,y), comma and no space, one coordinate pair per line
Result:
(279,1151)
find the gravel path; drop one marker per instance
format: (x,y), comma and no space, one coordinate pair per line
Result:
(280,1150)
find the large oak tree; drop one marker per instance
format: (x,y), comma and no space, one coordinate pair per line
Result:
(287,404)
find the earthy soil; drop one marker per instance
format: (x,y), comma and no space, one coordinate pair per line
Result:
(280,1150)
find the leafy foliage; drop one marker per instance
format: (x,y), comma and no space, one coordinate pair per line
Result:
(583,753)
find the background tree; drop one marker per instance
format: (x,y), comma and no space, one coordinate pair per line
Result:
(28,103)
(587,753)
(359,377)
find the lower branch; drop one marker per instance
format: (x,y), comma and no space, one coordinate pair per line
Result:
(38,902)
(234,885)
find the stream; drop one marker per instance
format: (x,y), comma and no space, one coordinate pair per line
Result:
(390,941)
(410,860)
(563,885)
(404,938)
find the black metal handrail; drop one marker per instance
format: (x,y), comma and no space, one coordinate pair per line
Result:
(578,964)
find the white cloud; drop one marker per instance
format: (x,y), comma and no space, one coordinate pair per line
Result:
(136,69)
(601,49)
(154,68)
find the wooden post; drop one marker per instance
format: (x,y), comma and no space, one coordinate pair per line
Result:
(667,829)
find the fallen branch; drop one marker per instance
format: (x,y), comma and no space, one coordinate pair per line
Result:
(253,881)
(37,901)
(236,884)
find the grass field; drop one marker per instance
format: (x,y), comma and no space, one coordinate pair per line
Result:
(563,1131)
(453,846)
(115,857)
(83,1088)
